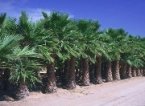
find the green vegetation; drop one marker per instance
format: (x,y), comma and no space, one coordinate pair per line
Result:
(71,51)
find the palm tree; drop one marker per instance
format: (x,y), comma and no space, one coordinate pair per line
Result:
(23,70)
(65,46)
(135,59)
(22,73)
(7,44)
(108,47)
(2,19)
(126,66)
(101,52)
(49,48)
(117,39)
(71,50)
(88,29)
(62,38)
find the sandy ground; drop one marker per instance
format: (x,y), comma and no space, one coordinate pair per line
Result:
(129,92)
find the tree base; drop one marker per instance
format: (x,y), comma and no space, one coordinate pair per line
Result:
(85,83)
(70,85)
(133,73)
(116,79)
(129,77)
(109,79)
(98,81)
(22,92)
(48,86)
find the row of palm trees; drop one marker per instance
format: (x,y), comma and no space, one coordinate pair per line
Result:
(72,51)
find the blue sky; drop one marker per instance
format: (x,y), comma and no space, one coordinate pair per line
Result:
(127,14)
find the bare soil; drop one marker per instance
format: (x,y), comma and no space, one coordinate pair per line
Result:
(129,92)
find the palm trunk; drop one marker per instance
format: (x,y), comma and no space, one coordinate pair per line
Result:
(50,81)
(141,72)
(138,72)
(78,75)
(103,70)
(98,79)
(85,72)
(59,76)
(6,79)
(92,72)
(109,72)
(123,70)
(1,80)
(116,73)
(22,91)
(129,75)
(70,76)
(133,72)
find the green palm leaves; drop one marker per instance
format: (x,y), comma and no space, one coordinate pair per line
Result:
(59,43)
(15,56)
(2,19)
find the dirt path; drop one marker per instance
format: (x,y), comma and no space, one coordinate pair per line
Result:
(129,92)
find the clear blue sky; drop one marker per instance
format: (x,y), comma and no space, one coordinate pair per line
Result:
(127,14)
